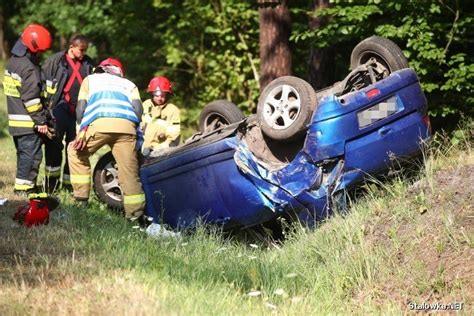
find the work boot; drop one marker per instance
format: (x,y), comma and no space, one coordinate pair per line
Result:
(51,184)
(143,221)
(81,202)
(67,187)
(24,193)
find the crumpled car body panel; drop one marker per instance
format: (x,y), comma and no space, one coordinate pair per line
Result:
(222,182)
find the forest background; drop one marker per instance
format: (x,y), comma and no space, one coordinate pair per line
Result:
(213,49)
(404,243)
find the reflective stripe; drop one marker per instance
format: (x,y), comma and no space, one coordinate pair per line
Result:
(19,117)
(66,179)
(50,87)
(20,124)
(100,102)
(13,75)
(81,178)
(112,108)
(53,171)
(51,168)
(108,96)
(20,120)
(32,102)
(54,174)
(134,199)
(23,184)
(50,90)
(11,82)
(104,81)
(23,181)
(34,107)
(23,187)
(42,195)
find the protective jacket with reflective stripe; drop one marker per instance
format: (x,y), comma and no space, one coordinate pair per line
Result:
(56,72)
(108,96)
(160,119)
(22,86)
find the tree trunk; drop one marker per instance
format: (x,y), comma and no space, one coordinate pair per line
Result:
(63,43)
(4,47)
(275,28)
(320,59)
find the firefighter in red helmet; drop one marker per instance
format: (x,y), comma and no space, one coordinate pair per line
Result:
(161,119)
(112,66)
(28,119)
(36,38)
(108,112)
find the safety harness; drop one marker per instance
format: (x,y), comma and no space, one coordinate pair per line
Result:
(76,75)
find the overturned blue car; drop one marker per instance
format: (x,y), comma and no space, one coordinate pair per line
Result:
(302,149)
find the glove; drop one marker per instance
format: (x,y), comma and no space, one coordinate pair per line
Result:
(80,141)
(51,133)
(146,151)
(140,139)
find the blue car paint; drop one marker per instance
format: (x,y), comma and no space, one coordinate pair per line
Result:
(224,183)
(402,79)
(210,188)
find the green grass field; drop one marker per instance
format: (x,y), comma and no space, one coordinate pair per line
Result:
(400,244)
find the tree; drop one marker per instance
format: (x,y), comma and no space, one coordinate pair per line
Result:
(275,29)
(213,57)
(3,43)
(436,37)
(6,32)
(320,58)
(210,49)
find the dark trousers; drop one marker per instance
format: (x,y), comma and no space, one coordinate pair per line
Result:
(65,125)
(28,160)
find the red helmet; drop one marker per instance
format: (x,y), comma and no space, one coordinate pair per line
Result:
(160,84)
(36,38)
(114,63)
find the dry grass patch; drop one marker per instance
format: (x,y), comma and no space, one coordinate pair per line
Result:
(427,233)
(111,294)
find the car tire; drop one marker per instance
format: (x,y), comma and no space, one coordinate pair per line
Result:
(217,114)
(106,185)
(383,50)
(285,108)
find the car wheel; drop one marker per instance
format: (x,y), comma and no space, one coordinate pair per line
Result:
(217,114)
(385,52)
(106,185)
(285,108)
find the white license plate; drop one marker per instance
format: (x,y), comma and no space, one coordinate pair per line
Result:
(377,112)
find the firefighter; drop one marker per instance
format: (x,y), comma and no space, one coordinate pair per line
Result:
(28,119)
(108,112)
(161,119)
(64,73)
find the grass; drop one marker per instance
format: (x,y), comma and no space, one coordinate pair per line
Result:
(401,243)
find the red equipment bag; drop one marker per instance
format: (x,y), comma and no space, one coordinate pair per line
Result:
(36,212)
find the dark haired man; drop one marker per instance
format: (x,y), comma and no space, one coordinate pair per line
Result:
(64,72)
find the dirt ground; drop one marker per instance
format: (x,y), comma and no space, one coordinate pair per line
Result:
(434,243)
